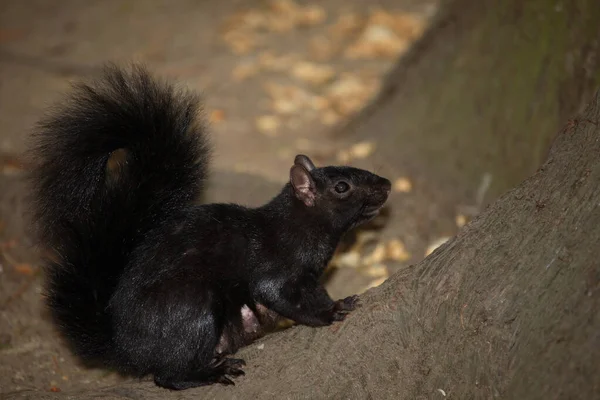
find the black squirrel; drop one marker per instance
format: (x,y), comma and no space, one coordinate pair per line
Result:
(143,280)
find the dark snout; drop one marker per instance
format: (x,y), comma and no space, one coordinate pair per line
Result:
(384,185)
(381,190)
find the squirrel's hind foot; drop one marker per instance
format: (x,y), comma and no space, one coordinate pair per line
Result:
(219,371)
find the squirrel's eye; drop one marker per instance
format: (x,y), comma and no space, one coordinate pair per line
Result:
(342,187)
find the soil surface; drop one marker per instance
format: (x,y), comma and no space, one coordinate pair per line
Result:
(272,90)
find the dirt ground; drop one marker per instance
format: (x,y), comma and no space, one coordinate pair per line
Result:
(275,81)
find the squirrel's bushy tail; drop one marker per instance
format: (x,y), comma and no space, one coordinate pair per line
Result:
(117,158)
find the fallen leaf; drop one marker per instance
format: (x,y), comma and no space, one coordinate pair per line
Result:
(288,99)
(395,250)
(268,125)
(377,271)
(461,220)
(217,116)
(314,74)
(402,185)
(375,42)
(350,259)
(24,269)
(362,149)
(349,93)
(386,35)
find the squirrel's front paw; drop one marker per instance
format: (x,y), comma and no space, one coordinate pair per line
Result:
(348,304)
(342,307)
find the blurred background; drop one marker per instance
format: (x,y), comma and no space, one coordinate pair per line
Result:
(455,102)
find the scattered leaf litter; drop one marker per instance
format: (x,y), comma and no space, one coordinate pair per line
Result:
(350,93)
(371,264)
(386,35)
(376,35)
(244,31)
(288,99)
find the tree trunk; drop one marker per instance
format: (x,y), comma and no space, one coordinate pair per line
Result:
(485,90)
(510,307)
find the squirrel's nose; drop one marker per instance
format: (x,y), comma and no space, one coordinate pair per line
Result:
(385,185)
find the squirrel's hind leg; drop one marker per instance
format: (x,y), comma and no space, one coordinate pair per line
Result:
(218,371)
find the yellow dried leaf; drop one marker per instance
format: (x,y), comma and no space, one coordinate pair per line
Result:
(404,24)
(217,116)
(377,41)
(461,220)
(288,99)
(268,125)
(315,74)
(349,93)
(377,271)
(396,251)
(350,259)
(362,149)
(402,185)
(24,269)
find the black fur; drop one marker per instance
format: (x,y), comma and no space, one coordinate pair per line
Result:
(141,279)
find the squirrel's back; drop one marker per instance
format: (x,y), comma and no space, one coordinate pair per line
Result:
(117,158)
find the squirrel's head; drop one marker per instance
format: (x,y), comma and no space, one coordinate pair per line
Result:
(347,196)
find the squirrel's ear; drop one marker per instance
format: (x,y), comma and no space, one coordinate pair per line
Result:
(304,161)
(303,184)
